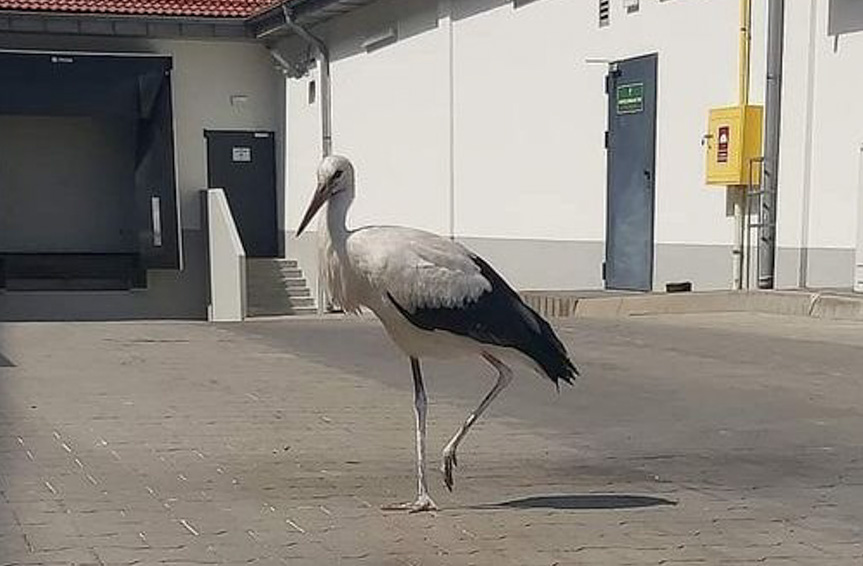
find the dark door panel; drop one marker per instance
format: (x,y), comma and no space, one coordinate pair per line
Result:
(155,180)
(244,165)
(631,147)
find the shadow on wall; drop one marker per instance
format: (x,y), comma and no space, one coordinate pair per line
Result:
(406,18)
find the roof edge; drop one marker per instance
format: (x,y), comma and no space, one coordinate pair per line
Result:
(123,25)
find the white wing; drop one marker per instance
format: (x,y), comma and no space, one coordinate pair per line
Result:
(418,269)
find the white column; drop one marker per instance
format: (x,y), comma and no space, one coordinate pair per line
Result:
(227,260)
(445,9)
(858,257)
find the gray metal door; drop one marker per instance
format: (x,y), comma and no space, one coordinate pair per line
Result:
(244,165)
(631,144)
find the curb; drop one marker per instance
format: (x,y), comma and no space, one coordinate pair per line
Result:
(823,305)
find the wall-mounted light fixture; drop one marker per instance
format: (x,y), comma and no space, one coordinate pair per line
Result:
(239,100)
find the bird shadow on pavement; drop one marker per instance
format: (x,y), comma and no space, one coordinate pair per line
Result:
(584,502)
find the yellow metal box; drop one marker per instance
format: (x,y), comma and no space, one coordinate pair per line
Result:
(733,141)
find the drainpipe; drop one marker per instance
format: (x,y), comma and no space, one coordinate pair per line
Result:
(326,119)
(326,90)
(803,273)
(773,110)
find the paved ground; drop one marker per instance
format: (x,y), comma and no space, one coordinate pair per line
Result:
(691,440)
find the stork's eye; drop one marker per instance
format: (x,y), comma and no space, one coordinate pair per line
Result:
(337,174)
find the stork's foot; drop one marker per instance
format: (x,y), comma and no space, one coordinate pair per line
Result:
(422,504)
(450,461)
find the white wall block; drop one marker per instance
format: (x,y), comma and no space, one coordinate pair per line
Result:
(227,261)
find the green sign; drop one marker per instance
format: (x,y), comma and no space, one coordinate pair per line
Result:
(630,98)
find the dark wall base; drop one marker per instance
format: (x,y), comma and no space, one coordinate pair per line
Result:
(169,295)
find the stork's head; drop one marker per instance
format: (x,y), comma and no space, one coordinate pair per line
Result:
(335,177)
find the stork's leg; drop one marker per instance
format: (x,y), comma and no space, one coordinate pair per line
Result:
(423,501)
(504,376)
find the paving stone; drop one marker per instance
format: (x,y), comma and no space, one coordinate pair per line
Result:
(276,443)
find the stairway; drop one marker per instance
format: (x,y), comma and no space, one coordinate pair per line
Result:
(277,287)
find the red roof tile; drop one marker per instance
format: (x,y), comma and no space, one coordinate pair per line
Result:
(188,8)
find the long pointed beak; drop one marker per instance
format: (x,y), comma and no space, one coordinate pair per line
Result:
(321,196)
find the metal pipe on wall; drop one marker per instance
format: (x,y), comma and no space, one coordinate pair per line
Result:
(326,118)
(773,110)
(745,49)
(737,194)
(806,205)
(324,79)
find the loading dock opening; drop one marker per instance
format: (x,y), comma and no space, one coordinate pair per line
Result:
(87,182)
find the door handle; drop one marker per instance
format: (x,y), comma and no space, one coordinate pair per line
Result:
(647,174)
(156,211)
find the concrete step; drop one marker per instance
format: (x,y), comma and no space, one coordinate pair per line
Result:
(276,287)
(302,302)
(271,293)
(267,262)
(281,286)
(253,311)
(298,292)
(295,282)
(306,310)
(274,275)
(269,311)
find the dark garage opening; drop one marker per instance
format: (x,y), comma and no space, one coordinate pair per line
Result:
(87,184)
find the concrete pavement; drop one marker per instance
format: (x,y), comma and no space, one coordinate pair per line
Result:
(721,439)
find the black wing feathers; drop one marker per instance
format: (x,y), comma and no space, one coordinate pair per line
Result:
(501,318)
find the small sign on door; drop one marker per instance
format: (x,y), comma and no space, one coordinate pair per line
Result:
(240,154)
(630,98)
(723,139)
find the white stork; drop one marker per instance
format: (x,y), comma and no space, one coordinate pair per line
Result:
(435,298)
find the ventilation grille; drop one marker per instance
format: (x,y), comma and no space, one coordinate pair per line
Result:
(604,12)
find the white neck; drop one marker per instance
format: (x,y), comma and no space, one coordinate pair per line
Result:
(337,213)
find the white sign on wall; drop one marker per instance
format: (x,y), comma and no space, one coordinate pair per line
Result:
(240,154)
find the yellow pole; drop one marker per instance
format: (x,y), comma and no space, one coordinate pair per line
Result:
(738,193)
(745,41)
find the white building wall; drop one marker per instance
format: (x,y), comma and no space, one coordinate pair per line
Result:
(838,135)
(822,134)
(796,139)
(205,77)
(528,114)
(389,116)
(527,98)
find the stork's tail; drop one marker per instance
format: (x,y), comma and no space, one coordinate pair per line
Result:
(535,336)
(548,351)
